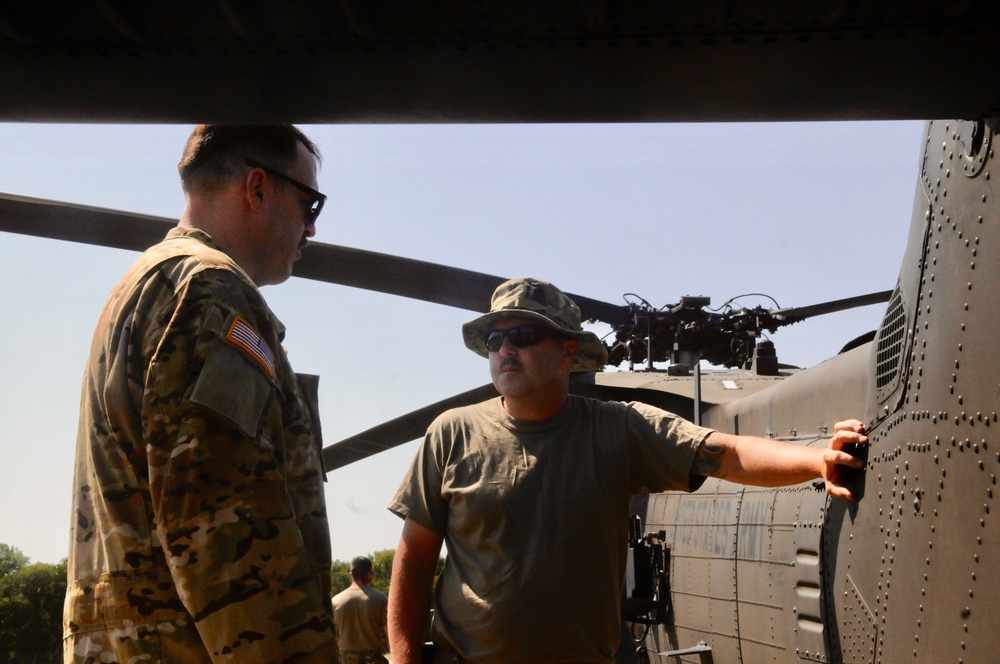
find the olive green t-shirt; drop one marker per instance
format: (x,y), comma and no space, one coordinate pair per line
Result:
(535,518)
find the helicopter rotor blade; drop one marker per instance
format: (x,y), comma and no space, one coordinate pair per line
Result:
(421,280)
(398,431)
(796,314)
(335,264)
(80,223)
(395,275)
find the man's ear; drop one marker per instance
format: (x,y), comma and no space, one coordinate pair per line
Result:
(571,349)
(254,188)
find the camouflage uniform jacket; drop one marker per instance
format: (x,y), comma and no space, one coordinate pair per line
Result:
(199,522)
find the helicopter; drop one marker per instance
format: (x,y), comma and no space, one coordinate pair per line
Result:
(743,574)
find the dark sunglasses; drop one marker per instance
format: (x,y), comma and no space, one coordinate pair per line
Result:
(318,199)
(522,336)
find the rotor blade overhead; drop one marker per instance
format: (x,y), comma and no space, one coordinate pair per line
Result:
(396,275)
(396,432)
(613,314)
(80,223)
(421,280)
(334,264)
(795,314)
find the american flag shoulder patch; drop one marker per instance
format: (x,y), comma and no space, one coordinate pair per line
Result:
(244,337)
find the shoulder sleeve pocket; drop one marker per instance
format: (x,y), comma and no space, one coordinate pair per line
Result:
(233,389)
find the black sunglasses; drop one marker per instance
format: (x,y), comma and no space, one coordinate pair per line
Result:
(318,199)
(522,336)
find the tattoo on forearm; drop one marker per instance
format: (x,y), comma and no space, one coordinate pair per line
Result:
(708,459)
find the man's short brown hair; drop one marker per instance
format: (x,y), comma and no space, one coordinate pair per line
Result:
(216,153)
(360,566)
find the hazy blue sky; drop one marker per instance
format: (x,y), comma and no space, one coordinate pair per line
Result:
(802,212)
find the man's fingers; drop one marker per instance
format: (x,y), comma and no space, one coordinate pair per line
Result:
(856,426)
(848,434)
(846,459)
(839,492)
(841,439)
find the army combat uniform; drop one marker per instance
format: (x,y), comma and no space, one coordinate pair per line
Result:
(199,525)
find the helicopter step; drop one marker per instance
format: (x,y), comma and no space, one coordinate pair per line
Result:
(703,650)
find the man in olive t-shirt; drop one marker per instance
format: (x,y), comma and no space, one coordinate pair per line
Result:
(531,493)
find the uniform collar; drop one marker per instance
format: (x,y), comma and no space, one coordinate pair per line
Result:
(196,234)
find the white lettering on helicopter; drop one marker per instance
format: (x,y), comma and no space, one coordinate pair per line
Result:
(723,526)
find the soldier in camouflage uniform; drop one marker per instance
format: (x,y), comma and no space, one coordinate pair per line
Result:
(199,527)
(531,492)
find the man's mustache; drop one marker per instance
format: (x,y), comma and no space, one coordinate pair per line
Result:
(510,363)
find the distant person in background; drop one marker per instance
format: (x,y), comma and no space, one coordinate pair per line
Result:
(531,492)
(359,614)
(199,527)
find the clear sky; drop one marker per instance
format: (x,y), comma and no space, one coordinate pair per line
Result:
(803,212)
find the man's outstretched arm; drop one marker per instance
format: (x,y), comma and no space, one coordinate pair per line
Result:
(766,462)
(413,570)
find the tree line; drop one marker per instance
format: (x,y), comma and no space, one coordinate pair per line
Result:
(381,571)
(31,602)
(31,605)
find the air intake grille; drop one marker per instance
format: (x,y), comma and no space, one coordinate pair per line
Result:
(889,349)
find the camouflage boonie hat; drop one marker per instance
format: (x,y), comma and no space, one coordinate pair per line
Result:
(544,302)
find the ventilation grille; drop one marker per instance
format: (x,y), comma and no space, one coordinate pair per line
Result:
(889,349)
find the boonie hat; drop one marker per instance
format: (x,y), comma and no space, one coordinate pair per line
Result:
(540,300)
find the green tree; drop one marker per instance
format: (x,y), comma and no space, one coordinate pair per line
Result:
(11,559)
(382,569)
(31,603)
(341,571)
